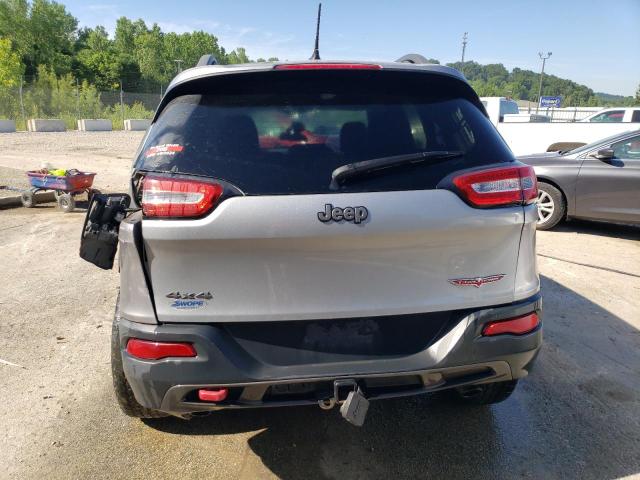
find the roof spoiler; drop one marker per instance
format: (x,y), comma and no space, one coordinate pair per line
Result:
(207,60)
(412,58)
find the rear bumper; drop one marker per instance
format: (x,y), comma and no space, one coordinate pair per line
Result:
(455,355)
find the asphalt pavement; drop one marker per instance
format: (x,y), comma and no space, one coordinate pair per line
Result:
(576,417)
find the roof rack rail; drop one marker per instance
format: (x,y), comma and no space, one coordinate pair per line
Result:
(412,58)
(207,60)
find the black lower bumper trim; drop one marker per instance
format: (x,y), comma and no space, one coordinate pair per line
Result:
(179,399)
(257,378)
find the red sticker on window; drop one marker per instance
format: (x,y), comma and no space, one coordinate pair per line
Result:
(166,149)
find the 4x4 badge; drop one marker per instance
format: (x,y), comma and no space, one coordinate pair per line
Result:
(190,296)
(349,214)
(477,281)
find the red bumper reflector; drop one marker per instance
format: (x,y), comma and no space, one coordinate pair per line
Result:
(217,395)
(512,326)
(149,350)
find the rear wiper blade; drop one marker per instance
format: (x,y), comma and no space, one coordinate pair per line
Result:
(358,169)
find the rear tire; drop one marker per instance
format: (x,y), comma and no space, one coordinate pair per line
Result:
(124,395)
(486,394)
(551,206)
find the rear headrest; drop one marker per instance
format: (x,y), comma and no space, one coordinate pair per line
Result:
(238,136)
(353,139)
(389,131)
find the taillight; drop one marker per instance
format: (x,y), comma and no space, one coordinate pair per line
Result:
(172,197)
(499,186)
(514,326)
(328,66)
(150,350)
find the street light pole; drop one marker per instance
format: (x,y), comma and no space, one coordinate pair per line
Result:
(544,58)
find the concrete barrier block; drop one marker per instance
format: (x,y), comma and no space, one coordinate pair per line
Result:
(7,126)
(45,125)
(136,124)
(94,125)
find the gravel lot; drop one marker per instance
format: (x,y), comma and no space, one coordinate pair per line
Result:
(108,153)
(577,416)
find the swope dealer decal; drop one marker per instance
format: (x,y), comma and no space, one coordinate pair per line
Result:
(166,149)
(188,304)
(189,301)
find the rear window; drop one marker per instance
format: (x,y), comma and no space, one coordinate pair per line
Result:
(285,132)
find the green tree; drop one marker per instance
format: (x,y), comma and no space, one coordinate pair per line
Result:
(239,55)
(10,71)
(43,33)
(126,33)
(11,67)
(151,56)
(189,47)
(15,25)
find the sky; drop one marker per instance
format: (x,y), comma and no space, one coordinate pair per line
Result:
(593,42)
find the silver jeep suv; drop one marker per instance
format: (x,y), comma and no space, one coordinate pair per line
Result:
(319,233)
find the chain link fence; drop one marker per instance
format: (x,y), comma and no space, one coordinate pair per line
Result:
(71,103)
(69,100)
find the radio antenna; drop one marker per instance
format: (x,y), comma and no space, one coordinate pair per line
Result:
(316,52)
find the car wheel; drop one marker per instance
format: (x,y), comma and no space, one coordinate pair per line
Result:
(487,393)
(124,395)
(551,206)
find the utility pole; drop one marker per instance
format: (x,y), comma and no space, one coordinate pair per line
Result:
(178,65)
(464,45)
(464,48)
(24,117)
(122,103)
(77,101)
(544,58)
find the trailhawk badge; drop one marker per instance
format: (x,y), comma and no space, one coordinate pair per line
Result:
(477,281)
(189,301)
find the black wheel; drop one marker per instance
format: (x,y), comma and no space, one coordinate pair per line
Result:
(124,395)
(552,207)
(66,202)
(28,198)
(485,394)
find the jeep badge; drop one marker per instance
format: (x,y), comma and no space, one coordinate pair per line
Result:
(349,214)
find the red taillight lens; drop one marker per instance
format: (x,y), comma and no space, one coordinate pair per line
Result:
(328,66)
(149,350)
(512,326)
(499,186)
(171,197)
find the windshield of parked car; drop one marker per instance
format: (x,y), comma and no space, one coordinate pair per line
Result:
(290,137)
